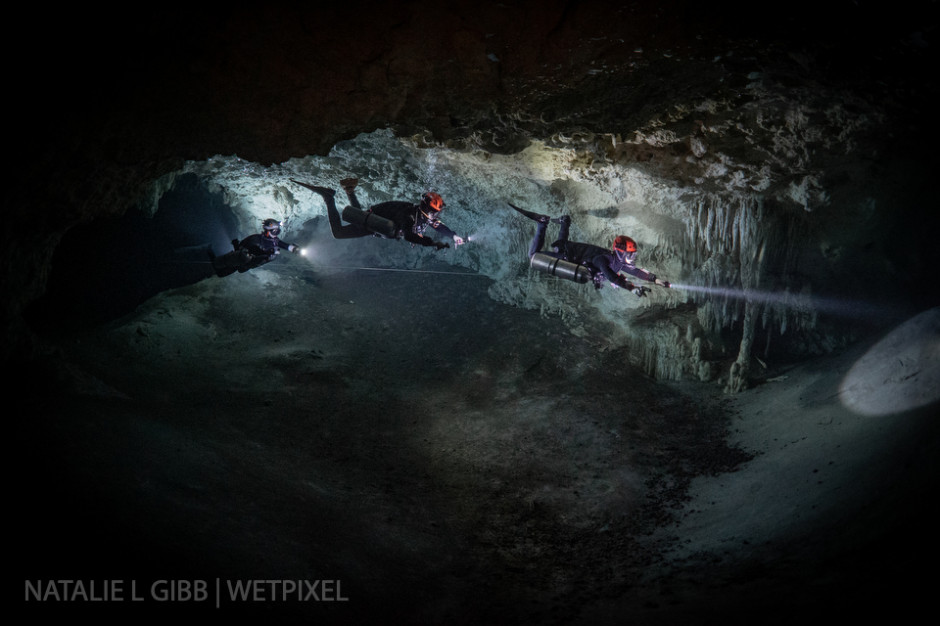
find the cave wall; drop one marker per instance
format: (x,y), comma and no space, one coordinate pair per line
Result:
(785,150)
(769,251)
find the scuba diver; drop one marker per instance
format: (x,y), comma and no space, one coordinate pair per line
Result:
(253,251)
(584,262)
(392,220)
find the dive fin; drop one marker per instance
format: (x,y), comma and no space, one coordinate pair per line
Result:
(538,217)
(314,188)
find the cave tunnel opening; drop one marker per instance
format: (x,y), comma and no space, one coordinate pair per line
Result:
(102,270)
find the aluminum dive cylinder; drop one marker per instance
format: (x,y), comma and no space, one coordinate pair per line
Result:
(371,222)
(560,267)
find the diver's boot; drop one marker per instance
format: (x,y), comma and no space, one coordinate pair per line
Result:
(349,185)
(538,217)
(564,219)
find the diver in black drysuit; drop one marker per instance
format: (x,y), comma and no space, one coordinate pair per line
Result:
(410,220)
(602,264)
(254,250)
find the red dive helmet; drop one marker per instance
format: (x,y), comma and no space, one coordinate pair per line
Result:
(432,201)
(624,244)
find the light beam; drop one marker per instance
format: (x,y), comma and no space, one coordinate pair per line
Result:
(857,309)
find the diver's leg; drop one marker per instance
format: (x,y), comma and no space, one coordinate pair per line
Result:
(565,222)
(339,230)
(538,240)
(230,262)
(349,186)
(336,222)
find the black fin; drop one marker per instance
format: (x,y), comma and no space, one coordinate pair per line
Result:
(538,217)
(319,190)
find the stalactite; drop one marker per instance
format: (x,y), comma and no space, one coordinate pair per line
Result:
(730,243)
(742,252)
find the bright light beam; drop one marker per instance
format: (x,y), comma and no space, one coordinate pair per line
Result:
(846,308)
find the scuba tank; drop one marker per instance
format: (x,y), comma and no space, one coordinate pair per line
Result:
(371,222)
(560,267)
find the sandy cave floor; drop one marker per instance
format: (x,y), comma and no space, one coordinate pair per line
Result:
(454,460)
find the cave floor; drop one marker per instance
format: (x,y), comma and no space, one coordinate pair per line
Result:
(449,459)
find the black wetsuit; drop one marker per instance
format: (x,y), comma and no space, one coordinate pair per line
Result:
(411,222)
(259,245)
(251,252)
(600,261)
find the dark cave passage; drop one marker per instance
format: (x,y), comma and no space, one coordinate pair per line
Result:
(102,270)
